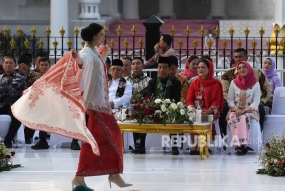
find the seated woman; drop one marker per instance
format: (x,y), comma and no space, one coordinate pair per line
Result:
(190,67)
(243,101)
(268,69)
(205,92)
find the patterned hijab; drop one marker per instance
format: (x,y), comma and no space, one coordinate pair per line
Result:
(248,81)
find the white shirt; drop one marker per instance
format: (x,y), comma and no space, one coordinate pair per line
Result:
(249,97)
(125,99)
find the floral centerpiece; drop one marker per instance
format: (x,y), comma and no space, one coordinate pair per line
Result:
(272,156)
(161,111)
(6,158)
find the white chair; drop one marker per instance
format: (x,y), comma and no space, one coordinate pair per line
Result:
(255,137)
(278,104)
(5,121)
(276,121)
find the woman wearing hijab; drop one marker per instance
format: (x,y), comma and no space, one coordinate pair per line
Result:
(268,69)
(243,101)
(190,67)
(205,92)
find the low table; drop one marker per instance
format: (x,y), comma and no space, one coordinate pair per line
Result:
(204,129)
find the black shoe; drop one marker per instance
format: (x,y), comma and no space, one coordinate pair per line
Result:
(175,151)
(141,150)
(74,145)
(42,144)
(192,152)
(135,150)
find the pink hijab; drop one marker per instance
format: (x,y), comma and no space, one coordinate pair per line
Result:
(187,72)
(248,81)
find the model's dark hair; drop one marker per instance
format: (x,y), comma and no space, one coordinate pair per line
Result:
(88,33)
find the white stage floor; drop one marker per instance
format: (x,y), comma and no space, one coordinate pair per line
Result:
(53,169)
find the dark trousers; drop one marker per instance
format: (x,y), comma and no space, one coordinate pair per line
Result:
(29,134)
(14,126)
(223,123)
(139,137)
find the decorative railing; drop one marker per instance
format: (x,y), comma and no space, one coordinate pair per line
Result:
(220,50)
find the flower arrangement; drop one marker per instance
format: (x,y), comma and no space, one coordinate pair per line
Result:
(6,158)
(161,111)
(272,156)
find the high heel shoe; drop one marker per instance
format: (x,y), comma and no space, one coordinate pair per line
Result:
(118,181)
(74,183)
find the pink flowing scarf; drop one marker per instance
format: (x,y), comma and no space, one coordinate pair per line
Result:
(54,104)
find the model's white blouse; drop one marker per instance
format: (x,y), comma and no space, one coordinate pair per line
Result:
(244,98)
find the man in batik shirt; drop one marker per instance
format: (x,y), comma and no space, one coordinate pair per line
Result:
(139,83)
(24,70)
(12,86)
(173,73)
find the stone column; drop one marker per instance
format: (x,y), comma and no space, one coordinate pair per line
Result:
(130,9)
(280,20)
(280,12)
(89,9)
(166,9)
(217,9)
(58,19)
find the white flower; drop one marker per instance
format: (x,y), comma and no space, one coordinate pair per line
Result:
(157,112)
(189,108)
(163,108)
(180,104)
(167,101)
(173,106)
(182,111)
(190,118)
(157,101)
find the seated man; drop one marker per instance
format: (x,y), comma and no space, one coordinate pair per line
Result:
(127,63)
(165,87)
(240,54)
(39,56)
(120,90)
(139,83)
(12,86)
(44,65)
(183,80)
(162,48)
